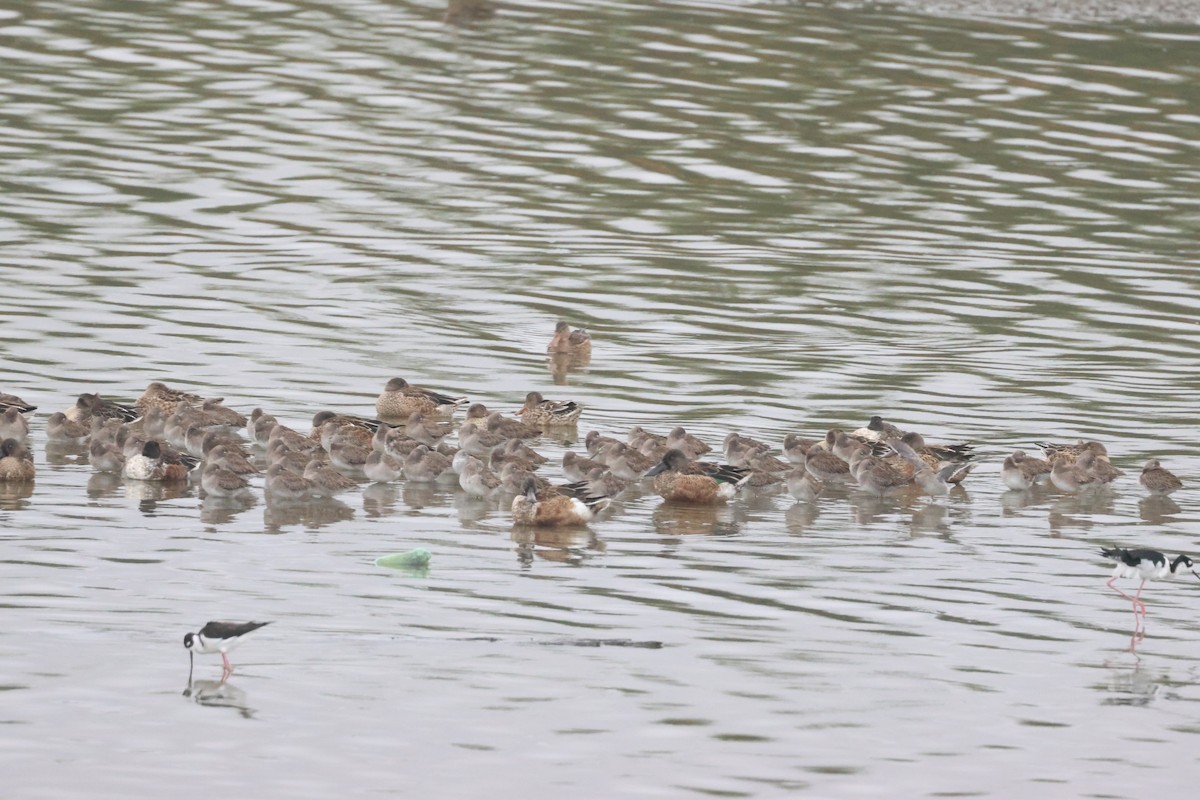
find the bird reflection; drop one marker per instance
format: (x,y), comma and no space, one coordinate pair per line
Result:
(218,694)
(60,453)
(312,514)
(379,499)
(800,516)
(15,496)
(103,484)
(868,507)
(422,494)
(560,364)
(1132,685)
(1014,500)
(1157,509)
(685,519)
(1078,510)
(221,510)
(150,493)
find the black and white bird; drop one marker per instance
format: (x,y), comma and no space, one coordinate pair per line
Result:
(218,637)
(1146,564)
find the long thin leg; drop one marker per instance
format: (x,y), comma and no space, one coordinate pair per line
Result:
(1138,599)
(228,667)
(1136,602)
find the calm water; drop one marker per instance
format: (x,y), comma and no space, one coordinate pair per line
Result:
(773,217)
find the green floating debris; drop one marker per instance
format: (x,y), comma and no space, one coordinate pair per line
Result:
(417,557)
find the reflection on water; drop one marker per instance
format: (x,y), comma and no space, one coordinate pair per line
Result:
(773,217)
(219,694)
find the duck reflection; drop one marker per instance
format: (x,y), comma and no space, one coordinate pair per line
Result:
(800,516)
(1015,500)
(15,496)
(218,694)
(423,494)
(60,453)
(686,519)
(149,494)
(562,364)
(1158,509)
(561,545)
(380,499)
(312,514)
(103,484)
(222,510)
(869,507)
(1077,511)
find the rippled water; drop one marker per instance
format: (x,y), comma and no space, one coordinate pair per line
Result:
(773,217)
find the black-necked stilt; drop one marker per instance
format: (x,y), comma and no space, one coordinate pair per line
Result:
(1145,564)
(218,637)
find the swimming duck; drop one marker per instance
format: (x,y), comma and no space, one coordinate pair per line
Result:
(477,480)
(14,426)
(478,442)
(1071,476)
(575,342)
(511,428)
(283,484)
(1020,471)
(627,463)
(802,485)
(8,401)
(16,465)
(676,478)
(1157,480)
(149,465)
(220,482)
(577,467)
(425,431)
(400,399)
(61,429)
(90,405)
(825,466)
(423,464)
(554,511)
(549,413)
(691,446)
(383,467)
(877,430)
(595,442)
(158,394)
(326,480)
(877,475)
(796,447)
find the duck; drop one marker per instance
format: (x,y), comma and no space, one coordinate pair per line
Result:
(159,395)
(479,443)
(803,486)
(61,429)
(877,476)
(739,448)
(1155,479)
(337,421)
(90,405)
(16,465)
(348,455)
(877,430)
(13,425)
(678,479)
(106,456)
(150,465)
(283,484)
(1100,468)
(1021,471)
(1071,476)
(513,478)
(511,428)
(383,467)
(796,447)
(1069,453)
(425,431)
(549,413)
(400,399)
(594,442)
(554,511)
(8,401)
(326,480)
(477,480)
(577,467)
(220,482)
(230,458)
(692,446)
(516,453)
(216,414)
(423,464)
(933,479)
(258,426)
(477,416)
(576,342)
(826,467)
(601,482)
(935,453)
(627,463)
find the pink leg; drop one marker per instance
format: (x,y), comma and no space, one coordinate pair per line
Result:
(228,667)
(1137,600)
(1137,621)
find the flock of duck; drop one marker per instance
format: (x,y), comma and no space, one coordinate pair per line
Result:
(169,434)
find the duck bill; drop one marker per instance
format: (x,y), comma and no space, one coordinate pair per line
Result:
(656,469)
